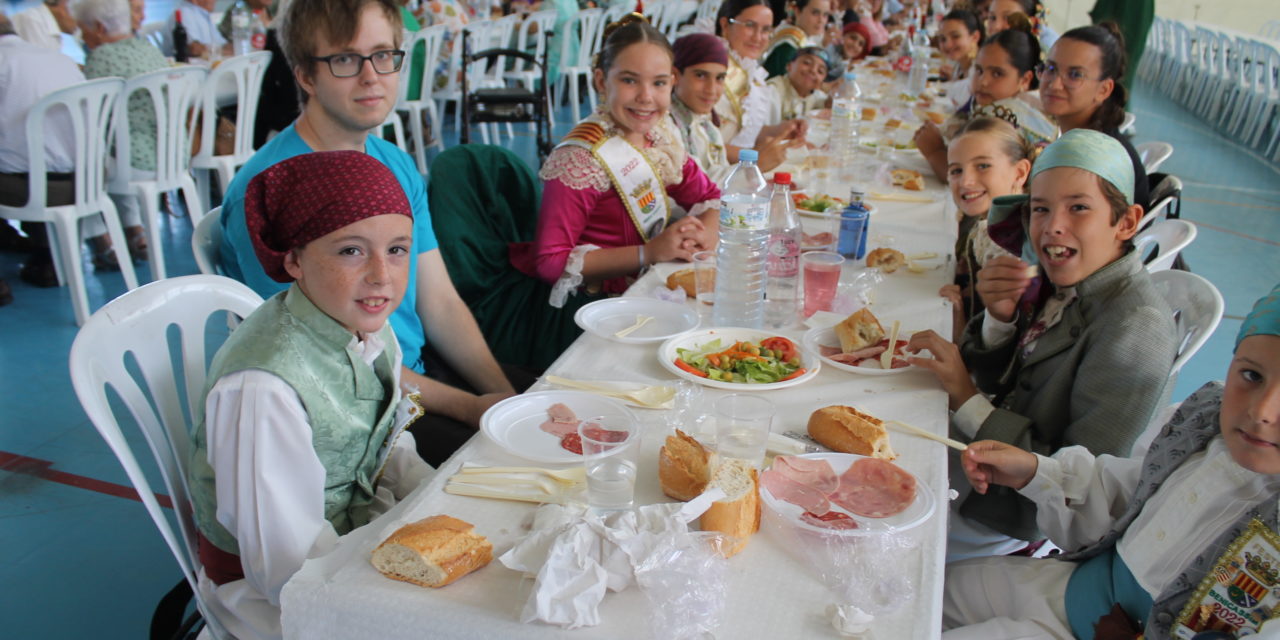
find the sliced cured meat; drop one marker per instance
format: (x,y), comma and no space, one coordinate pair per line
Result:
(874,363)
(868,352)
(788,490)
(572,442)
(830,520)
(874,488)
(600,434)
(899,363)
(814,473)
(562,421)
(826,351)
(558,412)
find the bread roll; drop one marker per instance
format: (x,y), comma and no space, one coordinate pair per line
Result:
(738,513)
(869,113)
(892,123)
(848,430)
(908,179)
(859,331)
(887,259)
(432,552)
(684,467)
(684,279)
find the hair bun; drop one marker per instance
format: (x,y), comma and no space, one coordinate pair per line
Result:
(1114,29)
(622,22)
(1021,22)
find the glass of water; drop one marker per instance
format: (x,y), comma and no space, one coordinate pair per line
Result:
(610,450)
(742,427)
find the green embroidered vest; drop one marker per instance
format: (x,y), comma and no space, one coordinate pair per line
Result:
(350,405)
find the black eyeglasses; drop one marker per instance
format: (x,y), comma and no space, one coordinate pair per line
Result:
(751,26)
(346,65)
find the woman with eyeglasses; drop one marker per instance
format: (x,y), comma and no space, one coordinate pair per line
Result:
(805,26)
(743,110)
(1081,87)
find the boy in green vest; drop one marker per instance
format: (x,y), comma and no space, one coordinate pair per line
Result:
(301,438)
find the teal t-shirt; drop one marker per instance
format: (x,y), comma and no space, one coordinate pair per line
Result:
(239,261)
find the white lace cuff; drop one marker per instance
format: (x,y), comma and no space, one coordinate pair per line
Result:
(571,279)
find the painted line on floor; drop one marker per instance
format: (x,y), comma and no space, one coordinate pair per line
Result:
(15,463)
(1234,232)
(1226,203)
(1227,187)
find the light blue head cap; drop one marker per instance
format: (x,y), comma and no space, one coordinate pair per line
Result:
(1264,319)
(1094,152)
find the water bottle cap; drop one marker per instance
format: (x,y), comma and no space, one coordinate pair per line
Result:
(748,155)
(850,75)
(782,177)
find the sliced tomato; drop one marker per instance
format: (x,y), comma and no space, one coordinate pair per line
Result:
(780,345)
(690,368)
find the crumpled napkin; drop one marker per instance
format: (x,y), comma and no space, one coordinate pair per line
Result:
(578,553)
(849,620)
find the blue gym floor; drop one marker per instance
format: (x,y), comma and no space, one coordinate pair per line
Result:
(81,561)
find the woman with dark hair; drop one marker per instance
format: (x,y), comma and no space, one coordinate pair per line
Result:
(743,111)
(959,37)
(1081,87)
(1000,11)
(805,26)
(610,187)
(1003,76)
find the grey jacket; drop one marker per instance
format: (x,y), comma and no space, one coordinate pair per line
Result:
(1094,379)
(1189,431)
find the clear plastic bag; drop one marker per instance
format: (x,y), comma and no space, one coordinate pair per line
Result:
(684,581)
(856,292)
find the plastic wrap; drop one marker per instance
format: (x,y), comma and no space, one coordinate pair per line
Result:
(684,580)
(856,292)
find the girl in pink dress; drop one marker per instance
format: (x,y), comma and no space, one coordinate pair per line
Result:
(616,188)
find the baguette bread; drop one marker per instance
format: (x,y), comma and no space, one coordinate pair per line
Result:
(859,331)
(684,467)
(887,259)
(738,513)
(908,179)
(432,552)
(869,113)
(684,279)
(848,430)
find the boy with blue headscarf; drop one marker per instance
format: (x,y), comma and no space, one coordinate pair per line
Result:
(1180,542)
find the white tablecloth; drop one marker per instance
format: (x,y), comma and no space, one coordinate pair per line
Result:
(772,592)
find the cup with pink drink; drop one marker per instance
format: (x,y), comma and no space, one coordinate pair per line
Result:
(821,279)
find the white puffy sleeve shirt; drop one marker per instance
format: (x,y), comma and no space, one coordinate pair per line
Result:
(270,489)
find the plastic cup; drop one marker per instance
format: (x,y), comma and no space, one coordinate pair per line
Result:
(742,427)
(704,276)
(821,233)
(610,446)
(821,279)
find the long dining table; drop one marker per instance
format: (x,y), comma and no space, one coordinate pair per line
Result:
(771,591)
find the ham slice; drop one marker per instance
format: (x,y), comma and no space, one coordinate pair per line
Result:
(827,352)
(830,520)
(874,488)
(814,473)
(788,490)
(562,421)
(853,357)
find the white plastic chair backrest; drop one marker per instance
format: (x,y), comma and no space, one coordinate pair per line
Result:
(707,10)
(617,9)
(397,130)
(86,110)
(206,242)
(476,32)
(1270,29)
(153,32)
(433,38)
(173,93)
(1153,154)
(585,28)
(656,12)
(677,14)
(133,331)
(246,73)
(502,35)
(1169,236)
(1197,308)
(1162,196)
(531,37)
(1126,125)
(408,67)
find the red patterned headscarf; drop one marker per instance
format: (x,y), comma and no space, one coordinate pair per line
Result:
(300,199)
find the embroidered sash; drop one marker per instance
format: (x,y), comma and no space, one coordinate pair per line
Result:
(1242,590)
(633,176)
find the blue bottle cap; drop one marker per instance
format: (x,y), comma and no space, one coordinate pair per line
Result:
(748,155)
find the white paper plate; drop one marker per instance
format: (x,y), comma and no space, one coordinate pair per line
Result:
(514,424)
(918,512)
(815,338)
(728,335)
(605,318)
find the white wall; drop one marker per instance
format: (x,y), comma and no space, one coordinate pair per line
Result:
(1243,15)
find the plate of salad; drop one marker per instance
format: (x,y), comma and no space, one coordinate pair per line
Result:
(738,359)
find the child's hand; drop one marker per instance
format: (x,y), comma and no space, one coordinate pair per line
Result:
(945,363)
(1001,283)
(989,462)
(929,139)
(953,293)
(678,241)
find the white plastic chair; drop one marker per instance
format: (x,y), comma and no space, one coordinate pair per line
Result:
(173,93)
(133,330)
(153,32)
(1169,237)
(478,32)
(246,73)
(1162,197)
(585,28)
(531,37)
(1262,99)
(206,242)
(680,12)
(431,38)
(1270,29)
(501,35)
(86,109)
(1153,154)
(1197,308)
(1179,60)
(1126,126)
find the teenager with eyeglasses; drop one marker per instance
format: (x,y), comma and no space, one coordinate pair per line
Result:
(346,56)
(1081,87)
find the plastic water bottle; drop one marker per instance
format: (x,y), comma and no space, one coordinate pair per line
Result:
(240,28)
(258,31)
(844,123)
(919,64)
(854,221)
(744,236)
(784,255)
